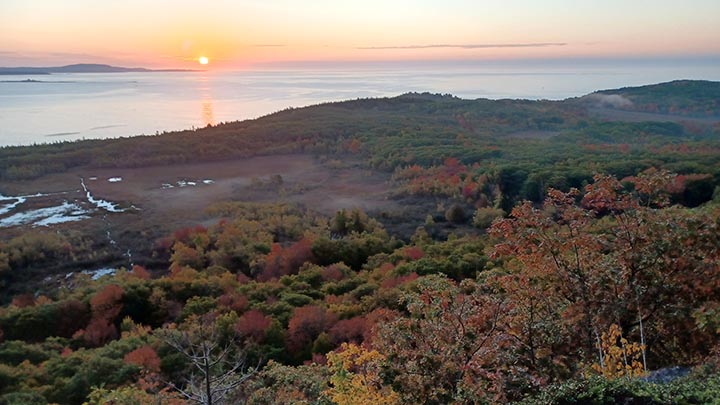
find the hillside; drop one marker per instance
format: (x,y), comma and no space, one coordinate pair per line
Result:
(537,143)
(415,249)
(692,98)
(504,151)
(408,129)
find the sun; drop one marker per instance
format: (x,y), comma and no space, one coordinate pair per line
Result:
(203,60)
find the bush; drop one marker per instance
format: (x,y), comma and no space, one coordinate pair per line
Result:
(455,214)
(23,398)
(695,389)
(484,217)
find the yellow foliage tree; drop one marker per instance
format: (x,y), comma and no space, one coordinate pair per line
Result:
(356,377)
(618,356)
(131,395)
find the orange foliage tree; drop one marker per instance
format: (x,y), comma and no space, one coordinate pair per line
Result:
(617,254)
(450,348)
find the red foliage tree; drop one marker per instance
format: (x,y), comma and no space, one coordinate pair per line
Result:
(332,273)
(187,235)
(99,331)
(348,330)
(286,260)
(140,272)
(106,306)
(233,301)
(306,324)
(413,253)
(253,325)
(23,300)
(107,303)
(354,145)
(144,357)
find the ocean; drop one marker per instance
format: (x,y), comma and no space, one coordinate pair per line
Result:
(67,107)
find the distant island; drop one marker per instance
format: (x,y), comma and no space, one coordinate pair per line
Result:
(81,68)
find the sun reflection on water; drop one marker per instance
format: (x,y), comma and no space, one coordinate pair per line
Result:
(207,116)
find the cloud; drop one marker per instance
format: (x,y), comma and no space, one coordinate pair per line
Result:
(469,46)
(72,55)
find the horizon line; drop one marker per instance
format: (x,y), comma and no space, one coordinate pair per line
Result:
(348,61)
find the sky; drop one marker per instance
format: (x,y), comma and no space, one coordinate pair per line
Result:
(240,33)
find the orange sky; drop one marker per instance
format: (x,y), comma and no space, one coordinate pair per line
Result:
(235,34)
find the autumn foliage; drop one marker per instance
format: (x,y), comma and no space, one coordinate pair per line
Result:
(253,325)
(610,281)
(619,357)
(106,305)
(286,260)
(306,324)
(610,256)
(452,345)
(357,379)
(144,357)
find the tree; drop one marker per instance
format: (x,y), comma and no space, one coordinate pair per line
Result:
(4,263)
(106,305)
(286,260)
(617,254)
(144,357)
(348,330)
(450,347)
(253,325)
(484,217)
(455,214)
(281,384)
(357,379)
(217,368)
(306,325)
(557,251)
(618,356)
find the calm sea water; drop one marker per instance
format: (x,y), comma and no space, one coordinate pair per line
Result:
(63,107)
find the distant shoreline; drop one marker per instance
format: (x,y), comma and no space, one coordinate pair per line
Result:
(82,68)
(37,81)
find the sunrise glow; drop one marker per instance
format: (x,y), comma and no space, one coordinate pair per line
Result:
(203,60)
(238,34)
